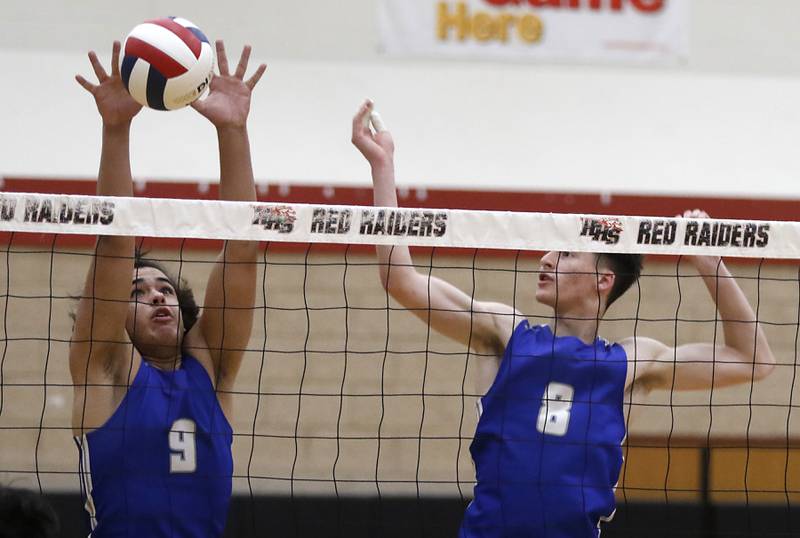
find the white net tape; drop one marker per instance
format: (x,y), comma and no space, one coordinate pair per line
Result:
(307,223)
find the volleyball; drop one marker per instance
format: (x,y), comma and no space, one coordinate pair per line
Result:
(166,63)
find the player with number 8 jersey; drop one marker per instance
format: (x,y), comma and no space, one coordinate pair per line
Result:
(554,445)
(152,376)
(547,445)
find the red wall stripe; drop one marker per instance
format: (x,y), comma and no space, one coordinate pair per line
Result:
(550,202)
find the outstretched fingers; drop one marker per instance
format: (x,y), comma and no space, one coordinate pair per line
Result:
(241,69)
(115,50)
(222,59)
(99,71)
(252,81)
(88,86)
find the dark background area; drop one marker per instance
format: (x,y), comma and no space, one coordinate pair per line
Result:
(361,517)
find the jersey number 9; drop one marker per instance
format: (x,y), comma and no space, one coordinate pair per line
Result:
(183,452)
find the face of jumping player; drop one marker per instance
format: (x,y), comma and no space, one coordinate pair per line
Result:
(154,321)
(581,282)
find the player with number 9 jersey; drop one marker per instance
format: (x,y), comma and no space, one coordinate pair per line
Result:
(153,377)
(164,453)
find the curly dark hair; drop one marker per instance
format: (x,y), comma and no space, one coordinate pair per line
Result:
(189,309)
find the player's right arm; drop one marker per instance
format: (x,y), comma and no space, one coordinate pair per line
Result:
(485,327)
(99,348)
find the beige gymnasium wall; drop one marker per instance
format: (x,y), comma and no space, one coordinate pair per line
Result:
(309,329)
(725,124)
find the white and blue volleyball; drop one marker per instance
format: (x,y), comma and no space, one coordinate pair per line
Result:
(166,63)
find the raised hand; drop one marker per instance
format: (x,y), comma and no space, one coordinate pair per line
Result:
(228,100)
(114,103)
(705,265)
(377,148)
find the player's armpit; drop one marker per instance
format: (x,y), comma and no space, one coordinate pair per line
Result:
(643,369)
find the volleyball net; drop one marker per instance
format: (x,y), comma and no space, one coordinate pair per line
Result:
(344,393)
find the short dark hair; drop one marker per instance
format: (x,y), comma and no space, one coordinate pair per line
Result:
(25,514)
(626,269)
(189,309)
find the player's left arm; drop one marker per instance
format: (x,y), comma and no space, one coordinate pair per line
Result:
(745,355)
(227,318)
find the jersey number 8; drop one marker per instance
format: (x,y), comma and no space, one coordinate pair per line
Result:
(555,410)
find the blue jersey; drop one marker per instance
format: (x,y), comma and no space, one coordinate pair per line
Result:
(547,449)
(161,466)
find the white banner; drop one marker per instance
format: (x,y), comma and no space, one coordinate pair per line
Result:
(620,31)
(366,225)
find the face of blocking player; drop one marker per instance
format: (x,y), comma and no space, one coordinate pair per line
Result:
(575,283)
(154,323)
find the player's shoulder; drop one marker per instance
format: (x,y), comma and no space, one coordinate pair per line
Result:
(499,313)
(502,320)
(529,335)
(499,309)
(642,347)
